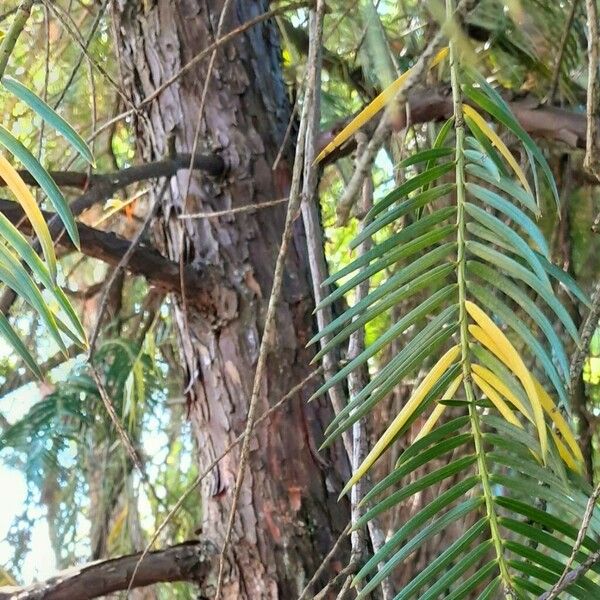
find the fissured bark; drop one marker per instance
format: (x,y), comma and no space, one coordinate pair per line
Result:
(288,516)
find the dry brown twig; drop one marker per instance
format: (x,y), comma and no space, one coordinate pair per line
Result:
(570,576)
(295,198)
(336,546)
(233,211)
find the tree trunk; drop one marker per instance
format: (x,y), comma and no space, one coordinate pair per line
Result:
(288,516)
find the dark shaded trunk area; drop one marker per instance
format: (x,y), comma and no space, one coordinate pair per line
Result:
(288,516)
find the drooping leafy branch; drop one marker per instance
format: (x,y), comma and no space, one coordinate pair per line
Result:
(54,310)
(472,244)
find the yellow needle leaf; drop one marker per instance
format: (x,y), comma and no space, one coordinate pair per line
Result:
(373,108)
(566,455)
(493,380)
(404,415)
(497,401)
(117,528)
(496,141)
(437,412)
(24,197)
(434,417)
(512,359)
(555,415)
(483,338)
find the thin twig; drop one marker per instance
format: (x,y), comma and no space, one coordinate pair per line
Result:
(344,589)
(315,247)
(125,440)
(591,161)
(572,576)
(382,131)
(79,62)
(293,391)
(56,10)
(295,198)
(122,264)
(197,59)
(561,52)
(112,413)
(233,211)
(585,523)
(286,136)
(357,379)
(346,572)
(42,130)
(308,587)
(587,331)
(318,268)
(219,42)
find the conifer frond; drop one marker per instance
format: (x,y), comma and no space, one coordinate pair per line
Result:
(478,254)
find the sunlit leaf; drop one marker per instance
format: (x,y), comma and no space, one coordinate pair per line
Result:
(46,182)
(49,115)
(24,197)
(373,108)
(382,443)
(471,113)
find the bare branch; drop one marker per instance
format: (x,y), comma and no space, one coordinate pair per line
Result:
(569,576)
(191,561)
(102,186)
(205,287)
(591,162)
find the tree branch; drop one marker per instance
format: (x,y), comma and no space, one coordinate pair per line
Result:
(103,187)
(205,287)
(428,104)
(191,561)
(100,187)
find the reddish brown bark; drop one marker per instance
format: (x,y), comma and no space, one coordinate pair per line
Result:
(288,516)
